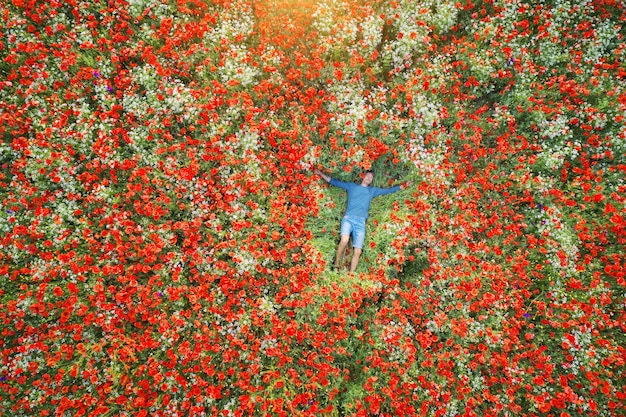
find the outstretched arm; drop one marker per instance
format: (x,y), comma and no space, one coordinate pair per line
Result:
(382,191)
(321,174)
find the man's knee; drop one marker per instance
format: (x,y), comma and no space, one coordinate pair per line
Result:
(357,252)
(344,239)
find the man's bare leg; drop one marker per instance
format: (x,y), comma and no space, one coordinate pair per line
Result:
(355,259)
(343,242)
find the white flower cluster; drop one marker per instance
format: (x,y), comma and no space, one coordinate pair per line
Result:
(156,8)
(40,159)
(412,21)
(606,34)
(348,107)
(328,21)
(235,21)
(372,32)
(267,305)
(387,234)
(268,343)
(236,67)
(412,37)
(85,127)
(427,113)
(428,161)
(552,159)
(137,7)
(246,263)
(232,328)
(311,157)
(245,144)
(324,19)
(164,95)
(147,77)
(556,127)
(393,335)
(582,350)
(22,360)
(563,242)
(444,16)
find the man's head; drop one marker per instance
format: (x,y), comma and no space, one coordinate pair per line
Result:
(368,177)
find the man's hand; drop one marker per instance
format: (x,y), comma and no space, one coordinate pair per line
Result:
(321,174)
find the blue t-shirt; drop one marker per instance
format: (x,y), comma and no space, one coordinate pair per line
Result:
(360,197)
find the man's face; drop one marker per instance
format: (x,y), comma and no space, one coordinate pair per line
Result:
(367,179)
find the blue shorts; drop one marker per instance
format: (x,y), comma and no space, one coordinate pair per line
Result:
(356,226)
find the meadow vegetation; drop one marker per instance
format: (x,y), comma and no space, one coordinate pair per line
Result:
(165,247)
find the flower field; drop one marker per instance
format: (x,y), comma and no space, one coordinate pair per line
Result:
(166,249)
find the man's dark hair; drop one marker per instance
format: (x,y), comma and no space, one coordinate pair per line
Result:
(369,171)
